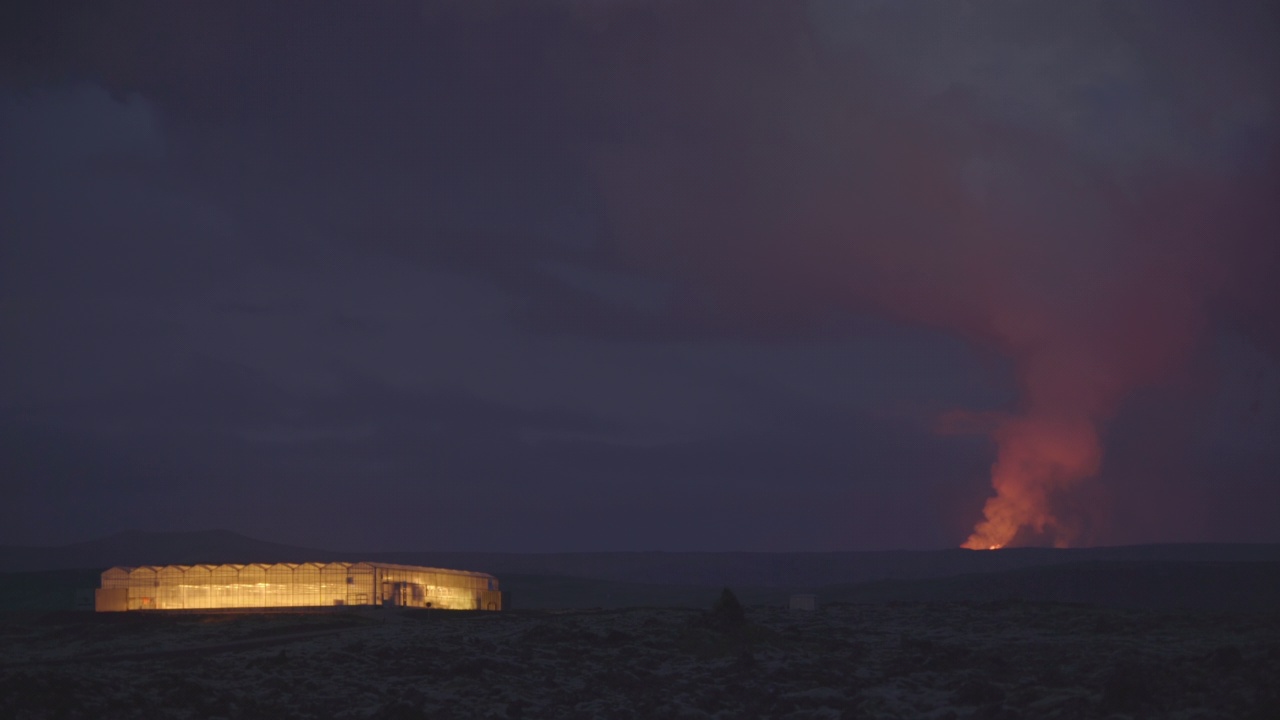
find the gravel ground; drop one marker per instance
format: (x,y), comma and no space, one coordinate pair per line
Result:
(896,660)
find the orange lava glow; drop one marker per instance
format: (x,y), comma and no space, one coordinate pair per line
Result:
(1038,459)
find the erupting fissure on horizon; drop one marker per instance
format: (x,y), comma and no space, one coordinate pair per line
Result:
(1036,458)
(827,186)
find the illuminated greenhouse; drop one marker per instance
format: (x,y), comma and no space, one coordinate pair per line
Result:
(286,585)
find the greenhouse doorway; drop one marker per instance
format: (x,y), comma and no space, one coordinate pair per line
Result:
(402,594)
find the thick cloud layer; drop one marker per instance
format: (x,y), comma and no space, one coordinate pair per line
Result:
(792,180)
(676,265)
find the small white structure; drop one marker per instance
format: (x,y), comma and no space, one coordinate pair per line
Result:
(803,602)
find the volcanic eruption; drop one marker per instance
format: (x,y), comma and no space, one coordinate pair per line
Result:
(790,181)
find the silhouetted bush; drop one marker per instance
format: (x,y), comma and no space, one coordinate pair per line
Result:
(1128,688)
(399,711)
(727,613)
(977,692)
(1228,657)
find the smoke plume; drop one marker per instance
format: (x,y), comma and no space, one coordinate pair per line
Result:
(784,181)
(1110,200)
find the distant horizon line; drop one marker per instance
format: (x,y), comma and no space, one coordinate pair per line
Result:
(135,532)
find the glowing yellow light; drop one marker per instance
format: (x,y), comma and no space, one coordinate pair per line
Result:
(177,587)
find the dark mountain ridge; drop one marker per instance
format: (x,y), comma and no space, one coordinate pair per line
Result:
(136,547)
(1137,584)
(756,569)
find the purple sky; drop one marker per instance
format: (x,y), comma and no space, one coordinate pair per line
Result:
(615,275)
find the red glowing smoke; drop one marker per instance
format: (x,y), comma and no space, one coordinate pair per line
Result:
(788,182)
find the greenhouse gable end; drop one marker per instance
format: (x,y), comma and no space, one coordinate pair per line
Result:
(285,585)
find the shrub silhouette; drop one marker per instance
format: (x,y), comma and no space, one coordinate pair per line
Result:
(727,612)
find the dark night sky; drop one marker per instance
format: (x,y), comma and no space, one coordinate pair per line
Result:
(631,275)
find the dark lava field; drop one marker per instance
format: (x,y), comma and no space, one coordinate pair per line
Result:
(989,660)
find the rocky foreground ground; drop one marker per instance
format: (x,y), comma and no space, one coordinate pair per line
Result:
(917,660)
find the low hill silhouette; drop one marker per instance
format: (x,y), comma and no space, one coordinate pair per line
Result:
(136,547)
(1203,576)
(1138,584)
(814,569)
(751,569)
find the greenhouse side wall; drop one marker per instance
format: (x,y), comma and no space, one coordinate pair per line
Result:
(293,585)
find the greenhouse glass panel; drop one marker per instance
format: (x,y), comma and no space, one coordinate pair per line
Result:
(289,585)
